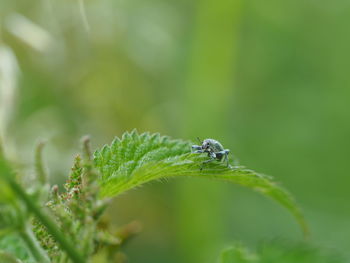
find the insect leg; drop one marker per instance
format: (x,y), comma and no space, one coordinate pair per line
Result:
(197,149)
(227,151)
(223,154)
(212,158)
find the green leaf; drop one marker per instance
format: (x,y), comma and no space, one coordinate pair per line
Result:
(238,254)
(13,244)
(286,252)
(8,258)
(140,158)
(6,196)
(281,252)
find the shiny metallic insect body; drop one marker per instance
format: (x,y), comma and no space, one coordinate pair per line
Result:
(214,149)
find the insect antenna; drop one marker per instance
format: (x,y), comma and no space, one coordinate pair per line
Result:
(200,141)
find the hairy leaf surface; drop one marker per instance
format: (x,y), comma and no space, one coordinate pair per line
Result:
(139,158)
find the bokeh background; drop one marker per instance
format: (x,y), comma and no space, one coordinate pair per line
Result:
(269,79)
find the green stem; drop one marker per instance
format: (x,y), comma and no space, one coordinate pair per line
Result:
(39,166)
(36,250)
(86,147)
(47,222)
(50,225)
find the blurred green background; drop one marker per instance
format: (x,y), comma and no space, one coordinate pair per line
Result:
(269,79)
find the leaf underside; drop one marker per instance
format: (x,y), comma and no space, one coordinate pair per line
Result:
(136,159)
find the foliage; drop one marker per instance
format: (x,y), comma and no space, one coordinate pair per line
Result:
(266,78)
(139,158)
(238,254)
(13,245)
(68,229)
(277,252)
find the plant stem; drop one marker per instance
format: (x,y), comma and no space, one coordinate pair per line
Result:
(50,225)
(36,250)
(47,222)
(39,166)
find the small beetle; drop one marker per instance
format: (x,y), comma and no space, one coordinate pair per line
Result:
(214,149)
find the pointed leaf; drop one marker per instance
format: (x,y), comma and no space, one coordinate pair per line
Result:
(137,159)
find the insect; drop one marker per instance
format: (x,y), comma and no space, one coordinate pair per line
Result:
(214,149)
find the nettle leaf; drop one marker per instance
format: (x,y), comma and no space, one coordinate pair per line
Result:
(238,254)
(281,251)
(13,244)
(140,158)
